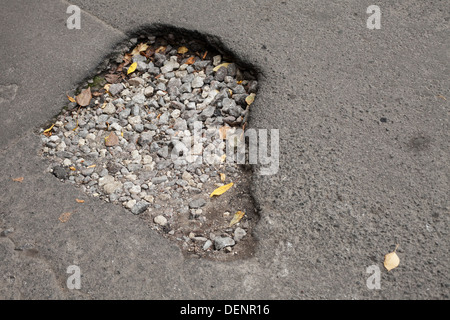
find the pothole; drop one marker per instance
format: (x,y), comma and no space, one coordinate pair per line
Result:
(154,140)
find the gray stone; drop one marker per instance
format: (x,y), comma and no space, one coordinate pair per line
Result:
(158,180)
(239,233)
(161,220)
(222,242)
(116,88)
(197,82)
(140,207)
(139,98)
(197,203)
(60,172)
(207,245)
(221,74)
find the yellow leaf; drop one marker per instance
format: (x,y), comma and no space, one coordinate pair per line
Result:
(92,166)
(222,177)
(79,201)
(221,190)
(225,64)
(132,67)
(250,98)
(237,217)
(49,129)
(182,50)
(391,260)
(106,87)
(72,168)
(70,98)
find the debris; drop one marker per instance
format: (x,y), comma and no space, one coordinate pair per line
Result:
(221,190)
(237,217)
(391,260)
(84,98)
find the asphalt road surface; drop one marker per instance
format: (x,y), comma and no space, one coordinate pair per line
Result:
(363,117)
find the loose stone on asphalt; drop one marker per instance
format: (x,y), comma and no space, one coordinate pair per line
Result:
(140,144)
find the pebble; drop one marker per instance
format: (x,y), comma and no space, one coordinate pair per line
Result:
(222,242)
(161,220)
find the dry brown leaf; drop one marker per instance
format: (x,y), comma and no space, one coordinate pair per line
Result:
(221,190)
(112,78)
(84,98)
(65,217)
(79,200)
(182,50)
(139,48)
(127,59)
(237,217)
(190,60)
(160,49)
(111,140)
(391,260)
(20,179)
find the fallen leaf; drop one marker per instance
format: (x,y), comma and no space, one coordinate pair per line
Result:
(112,78)
(73,168)
(127,58)
(250,98)
(104,105)
(70,98)
(49,129)
(65,217)
(182,50)
(140,47)
(222,177)
(225,64)
(160,49)
(223,158)
(106,87)
(84,98)
(20,179)
(132,67)
(76,127)
(190,60)
(221,190)
(92,166)
(79,201)
(111,140)
(204,56)
(237,217)
(391,260)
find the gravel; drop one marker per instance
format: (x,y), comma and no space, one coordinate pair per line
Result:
(138,145)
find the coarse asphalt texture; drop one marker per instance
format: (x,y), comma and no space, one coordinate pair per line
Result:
(363,117)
